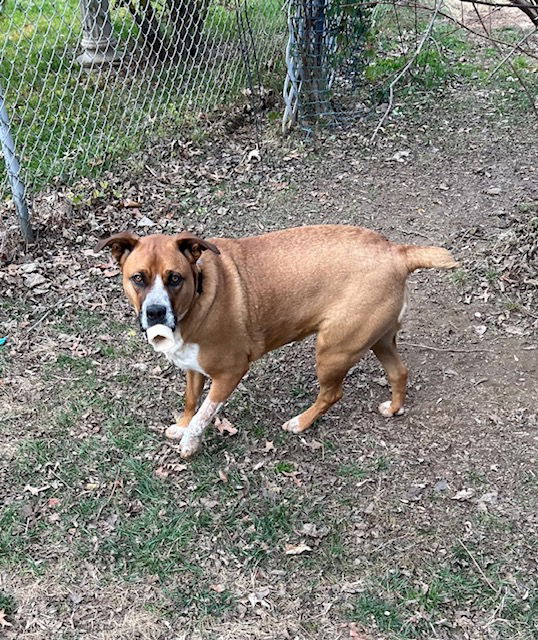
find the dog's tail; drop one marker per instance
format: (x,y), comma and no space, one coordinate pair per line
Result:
(417,257)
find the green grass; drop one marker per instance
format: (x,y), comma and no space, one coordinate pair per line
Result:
(7,603)
(82,493)
(405,606)
(284,467)
(459,277)
(352,470)
(449,58)
(204,602)
(70,123)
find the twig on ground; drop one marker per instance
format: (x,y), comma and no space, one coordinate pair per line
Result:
(448,349)
(58,477)
(486,579)
(105,504)
(45,315)
(497,611)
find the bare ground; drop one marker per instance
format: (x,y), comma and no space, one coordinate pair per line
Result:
(420,526)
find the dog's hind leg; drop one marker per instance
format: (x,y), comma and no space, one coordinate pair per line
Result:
(385,350)
(193,391)
(334,358)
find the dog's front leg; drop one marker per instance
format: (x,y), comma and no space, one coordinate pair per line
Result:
(220,390)
(193,392)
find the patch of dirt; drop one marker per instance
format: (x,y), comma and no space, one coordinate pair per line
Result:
(458,470)
(483,18)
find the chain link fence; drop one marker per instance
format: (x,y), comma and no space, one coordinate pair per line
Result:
(344,58)
(85,83)
(324,59)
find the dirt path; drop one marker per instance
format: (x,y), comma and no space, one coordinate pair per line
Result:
(477,17)
(421,526)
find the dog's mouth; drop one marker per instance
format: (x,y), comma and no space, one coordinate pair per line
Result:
(161,337)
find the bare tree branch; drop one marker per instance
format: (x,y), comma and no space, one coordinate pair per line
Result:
(512,51)
(514,70)
(515,4)
(484,36)
(406,67)
(405,4)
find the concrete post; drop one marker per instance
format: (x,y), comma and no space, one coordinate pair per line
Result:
(97,41)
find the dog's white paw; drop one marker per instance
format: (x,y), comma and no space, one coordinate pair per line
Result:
(384,410)
(174,432)
(189,446)
(292,425)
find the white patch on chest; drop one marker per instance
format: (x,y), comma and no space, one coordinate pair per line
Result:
(184,354)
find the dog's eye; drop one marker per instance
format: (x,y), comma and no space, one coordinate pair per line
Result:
(174,279)
(138,279)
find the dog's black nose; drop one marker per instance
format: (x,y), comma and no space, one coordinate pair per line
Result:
(156,314)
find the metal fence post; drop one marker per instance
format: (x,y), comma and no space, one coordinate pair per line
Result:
(13,172)
(97,41)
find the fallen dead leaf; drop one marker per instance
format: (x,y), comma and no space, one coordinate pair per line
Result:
(254,155)
(487,499)
(145,223)
(464,494)
(312,531)
(258,597)
(219,588)
(400,156)
(314,445)
(296,549)
(440,485)
(177,467)
(354,633)
(34,280)
(225,425)
(353,587)
(76,598)
(128,203)
(36,490)
(3,620)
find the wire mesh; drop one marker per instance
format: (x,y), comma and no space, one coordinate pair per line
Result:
(326,39)
(88,82)
(345,57)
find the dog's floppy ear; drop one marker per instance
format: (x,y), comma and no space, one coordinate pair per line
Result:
(121,244)
(191,246)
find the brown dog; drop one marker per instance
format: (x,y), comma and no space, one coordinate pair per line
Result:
(246,297)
